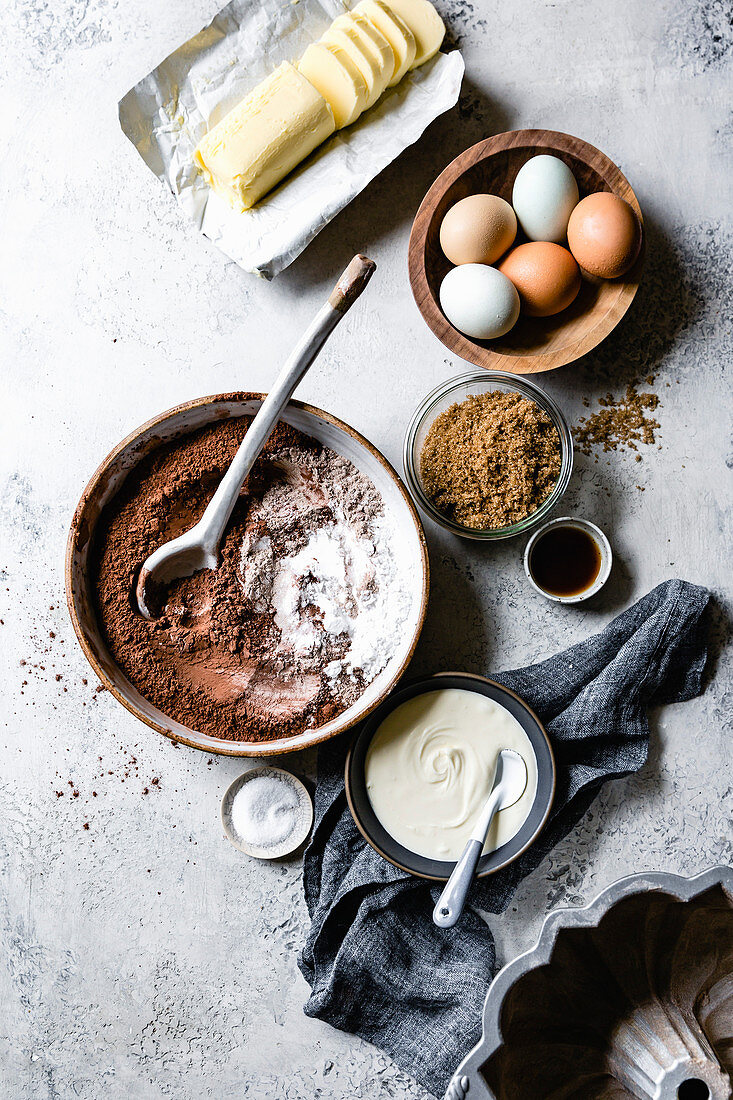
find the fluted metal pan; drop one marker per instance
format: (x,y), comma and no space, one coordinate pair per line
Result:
(628,998)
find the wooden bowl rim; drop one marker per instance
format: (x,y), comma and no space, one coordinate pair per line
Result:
(463,346)
(219,746)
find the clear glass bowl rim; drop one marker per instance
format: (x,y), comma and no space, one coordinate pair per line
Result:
(505,381)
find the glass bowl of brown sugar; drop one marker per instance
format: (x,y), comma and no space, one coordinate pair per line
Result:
(488,455)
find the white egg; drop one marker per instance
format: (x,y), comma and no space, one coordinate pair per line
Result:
(545,192)
(479,301)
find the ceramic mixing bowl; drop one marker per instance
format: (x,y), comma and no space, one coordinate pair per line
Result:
(107,481)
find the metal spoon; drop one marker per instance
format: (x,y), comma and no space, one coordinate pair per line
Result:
(510,779)
(199,548)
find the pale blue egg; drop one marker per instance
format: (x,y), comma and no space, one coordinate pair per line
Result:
(545,192)
(479,301)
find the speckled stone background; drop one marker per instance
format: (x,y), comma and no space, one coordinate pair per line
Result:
(143,956)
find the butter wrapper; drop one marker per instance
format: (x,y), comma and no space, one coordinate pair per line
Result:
(166,114)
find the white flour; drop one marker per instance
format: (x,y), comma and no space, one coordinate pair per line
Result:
(341,584)
(328,566)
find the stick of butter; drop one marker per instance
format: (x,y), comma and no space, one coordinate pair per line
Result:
(264,137)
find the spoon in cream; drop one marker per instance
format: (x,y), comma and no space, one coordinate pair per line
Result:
(198,548)
(510,779)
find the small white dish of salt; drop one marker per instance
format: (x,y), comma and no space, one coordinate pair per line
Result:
(267,813)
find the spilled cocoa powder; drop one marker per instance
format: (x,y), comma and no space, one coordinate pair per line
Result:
(213,660)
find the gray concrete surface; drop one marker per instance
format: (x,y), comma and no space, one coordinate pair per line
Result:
(144,957)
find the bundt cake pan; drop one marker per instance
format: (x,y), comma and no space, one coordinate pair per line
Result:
(628,997)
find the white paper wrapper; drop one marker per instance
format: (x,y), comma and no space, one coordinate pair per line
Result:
(168,112)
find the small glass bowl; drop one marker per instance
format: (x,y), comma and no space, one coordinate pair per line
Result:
(456,390)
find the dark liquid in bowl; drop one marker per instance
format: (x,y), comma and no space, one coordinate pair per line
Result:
(565,561)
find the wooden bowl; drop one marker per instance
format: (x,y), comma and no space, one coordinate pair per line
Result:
(181,420)
(535,343)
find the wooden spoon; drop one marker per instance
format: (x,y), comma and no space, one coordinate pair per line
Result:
(199,548)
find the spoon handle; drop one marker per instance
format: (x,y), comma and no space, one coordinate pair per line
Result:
(352,282)
(452,900)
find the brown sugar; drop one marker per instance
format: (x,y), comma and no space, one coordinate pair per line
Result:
(491,460)
(619,424)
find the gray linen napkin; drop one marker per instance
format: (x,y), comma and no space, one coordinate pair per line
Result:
(376,963)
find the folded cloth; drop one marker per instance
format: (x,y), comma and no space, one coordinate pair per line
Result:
(376,963)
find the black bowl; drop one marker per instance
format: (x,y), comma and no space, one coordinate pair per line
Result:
(373,831)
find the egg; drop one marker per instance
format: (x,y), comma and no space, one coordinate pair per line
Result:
(546,276)
(604,235)
(478,230)
(543,197)
(479,301)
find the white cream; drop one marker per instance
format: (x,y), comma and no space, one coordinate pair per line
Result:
(430,766)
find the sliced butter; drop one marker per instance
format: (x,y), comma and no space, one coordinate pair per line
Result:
(333,73)
(264,137)
(348,38)
(426,25)
(395,30)
(374,41)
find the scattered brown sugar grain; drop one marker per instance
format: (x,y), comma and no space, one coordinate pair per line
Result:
(619,424)
(491,460)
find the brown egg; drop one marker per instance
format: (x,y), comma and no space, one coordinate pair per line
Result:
(604,235)
(546,276)
(478,230)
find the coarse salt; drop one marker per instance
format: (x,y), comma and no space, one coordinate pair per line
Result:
(264,811)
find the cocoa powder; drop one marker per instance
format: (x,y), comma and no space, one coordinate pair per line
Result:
(211,660)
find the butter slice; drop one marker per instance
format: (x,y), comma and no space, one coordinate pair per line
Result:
(373,40)
(333,73)
(344,32)
(264,137)
(426,25)
(395,30)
